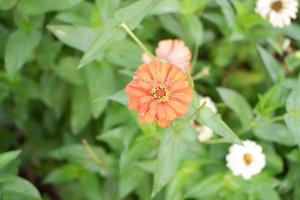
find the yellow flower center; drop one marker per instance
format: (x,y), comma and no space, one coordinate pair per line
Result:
(277,5)
(160,93)
(248,158)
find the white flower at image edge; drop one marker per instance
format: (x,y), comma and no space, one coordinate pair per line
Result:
(246,160)
(205,133)
(278,12)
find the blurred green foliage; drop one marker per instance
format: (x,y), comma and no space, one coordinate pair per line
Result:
(66,132)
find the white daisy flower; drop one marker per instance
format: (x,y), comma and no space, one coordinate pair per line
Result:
(246,160)
(278,12)
(205,133)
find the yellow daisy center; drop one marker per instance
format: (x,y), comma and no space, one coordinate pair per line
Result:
(248,158)
(160,93)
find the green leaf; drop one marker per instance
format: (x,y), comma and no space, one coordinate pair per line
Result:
(18,188)
(130,178)
(227,11)
(7,4)
(66,69)
(125,54)
(166,6)
(34,7)
(107,8)
(62,174)
(275,133)
(169,156)
(292,118)
(238,104)
(78,37)
(206,188)
(293,124)
(291,31)
(212,120)
(132,15)
(90,185)
(48,84)
(79,155)
(273,67)
(100,83)
(274,98)
(81,109)
(18,49)
(7,157)
(188,28)
(190,7)
(103,40)
(293,101)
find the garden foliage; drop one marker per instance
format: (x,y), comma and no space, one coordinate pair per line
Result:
(65,129)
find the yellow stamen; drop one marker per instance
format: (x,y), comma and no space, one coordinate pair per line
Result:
(160,93)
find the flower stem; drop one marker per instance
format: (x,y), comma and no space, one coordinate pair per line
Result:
(137,40)
(92,153)
(178,127)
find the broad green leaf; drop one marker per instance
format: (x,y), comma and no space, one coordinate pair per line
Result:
(228,12)
(78,37)
(274,69)
(268,193)
(17,188)
(291,31)
(293,124)
(107,8)
(238,104)
(275,133)
(190,7)
(103,40)
(90,185)
(140,148)
(66,69)
(100,83)
(117,115)
(130,178)
(34,7)
(188,28)
(212,120)
(7,4)
(293,101)
(132,15)
(292,118)
(7,157)
(79,155)
(18,49)
(115,137)
(81,109)
(206,188)
(125,54)
(169,155)
(83,14)
(62,174)
(166,6)
(274,98)
(47,85)
(293,60)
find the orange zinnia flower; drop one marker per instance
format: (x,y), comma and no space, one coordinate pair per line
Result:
(160,92)
(173,51)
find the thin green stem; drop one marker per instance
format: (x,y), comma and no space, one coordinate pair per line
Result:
(195,55)
(137,40)
(92,153)
(176,128)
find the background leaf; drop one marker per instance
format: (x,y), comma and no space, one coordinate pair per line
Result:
(18,49)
